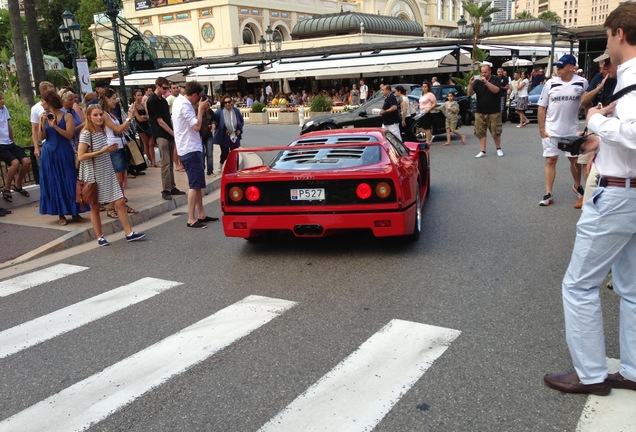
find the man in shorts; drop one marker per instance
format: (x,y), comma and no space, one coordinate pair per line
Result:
(558,117)
(488,115)
(187,125)
(11,154)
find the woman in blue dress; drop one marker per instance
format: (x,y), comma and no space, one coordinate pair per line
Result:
(57,161)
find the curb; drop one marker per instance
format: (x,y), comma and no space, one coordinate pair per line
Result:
(84,235)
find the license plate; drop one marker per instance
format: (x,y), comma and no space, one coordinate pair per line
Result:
(307,194)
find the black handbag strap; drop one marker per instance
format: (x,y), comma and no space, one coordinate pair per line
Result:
(622,92)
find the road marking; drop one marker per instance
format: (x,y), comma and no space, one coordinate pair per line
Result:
(613,413)
(69,318)
(98,396)
(362,389)
(39,277)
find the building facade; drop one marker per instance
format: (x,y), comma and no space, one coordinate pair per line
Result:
(231,27)
(573,13)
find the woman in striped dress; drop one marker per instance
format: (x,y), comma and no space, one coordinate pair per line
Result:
(97,167)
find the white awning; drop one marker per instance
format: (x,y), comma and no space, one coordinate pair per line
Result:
(148,78)
(389,63)
(103,74)
(223,72)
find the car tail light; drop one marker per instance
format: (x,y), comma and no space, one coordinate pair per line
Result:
(383,189)
(236,194)
(363,191)
(252,193)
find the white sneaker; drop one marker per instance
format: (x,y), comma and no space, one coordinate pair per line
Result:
(547,200)
(499,152)
(481,154)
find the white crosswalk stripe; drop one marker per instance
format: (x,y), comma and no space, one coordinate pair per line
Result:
(64,320)
(98,396)
(30,280)
(613,413)
(362,389)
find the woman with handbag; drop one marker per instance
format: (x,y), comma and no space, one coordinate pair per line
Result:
(57,161)
(143,127)
(114,133)
(96,167)
(230,129)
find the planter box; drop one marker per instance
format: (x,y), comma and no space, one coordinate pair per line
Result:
(259,118)
(288,118)
(313,114)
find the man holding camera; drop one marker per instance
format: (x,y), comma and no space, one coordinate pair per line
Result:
(488,116)
(558,117)
(187,125)
(606,232)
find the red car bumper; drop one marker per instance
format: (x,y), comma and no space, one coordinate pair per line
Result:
(381,224)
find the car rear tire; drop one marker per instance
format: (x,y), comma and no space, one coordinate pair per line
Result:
(417,228)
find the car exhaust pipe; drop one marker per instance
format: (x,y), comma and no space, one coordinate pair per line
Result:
(308,230)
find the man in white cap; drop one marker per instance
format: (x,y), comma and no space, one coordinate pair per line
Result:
(558,117)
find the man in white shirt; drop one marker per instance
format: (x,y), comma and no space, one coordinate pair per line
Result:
(174,92)
(186,125)
(36,113)
(364,91)
(606,232)
(558,117)
(12,155)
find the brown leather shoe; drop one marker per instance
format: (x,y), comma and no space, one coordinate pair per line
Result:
(618,381)
(570,383)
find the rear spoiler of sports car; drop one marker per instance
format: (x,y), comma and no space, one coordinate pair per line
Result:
(244,156)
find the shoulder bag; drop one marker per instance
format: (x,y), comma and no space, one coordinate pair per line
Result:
(85,192)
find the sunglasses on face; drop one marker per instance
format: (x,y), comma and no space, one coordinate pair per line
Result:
(165,88)
(227,101)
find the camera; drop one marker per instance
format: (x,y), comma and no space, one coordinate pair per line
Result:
(50,116)
(571,144)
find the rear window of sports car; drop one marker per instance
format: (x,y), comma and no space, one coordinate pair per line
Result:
(329,158)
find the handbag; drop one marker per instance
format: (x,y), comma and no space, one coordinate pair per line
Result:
(134,154)
(85,192)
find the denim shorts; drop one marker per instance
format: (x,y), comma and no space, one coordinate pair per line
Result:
(119,161)
(195,169)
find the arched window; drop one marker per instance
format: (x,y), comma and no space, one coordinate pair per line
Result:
(248,35)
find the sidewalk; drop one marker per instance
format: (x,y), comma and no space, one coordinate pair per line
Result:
(26,234)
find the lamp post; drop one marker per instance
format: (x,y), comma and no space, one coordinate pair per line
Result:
(112,10)
(461,32)
(263,45)
(554,32)
(70,33)
(271,37)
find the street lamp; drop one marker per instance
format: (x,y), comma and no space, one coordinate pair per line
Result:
(461,32)
(112,10)
(70,34)
(486,22)
(554,32)
(533,58)
(271,36)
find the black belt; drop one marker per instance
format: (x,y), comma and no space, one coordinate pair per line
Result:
(615,182)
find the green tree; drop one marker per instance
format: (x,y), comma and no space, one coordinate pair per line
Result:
(525,15)
(550,16)
(477,13)
(33,38)
(84,16)
(17,35)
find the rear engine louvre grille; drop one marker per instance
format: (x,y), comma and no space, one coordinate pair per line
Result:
(337,192)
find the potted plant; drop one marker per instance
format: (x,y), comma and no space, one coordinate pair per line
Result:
(259,114)
(319,106)
(288,115)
